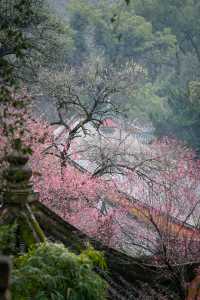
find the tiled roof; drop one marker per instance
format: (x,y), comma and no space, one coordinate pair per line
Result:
(144,212)
(125,274)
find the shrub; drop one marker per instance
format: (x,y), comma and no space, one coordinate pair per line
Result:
(49,271)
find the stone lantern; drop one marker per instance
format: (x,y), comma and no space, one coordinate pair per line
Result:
(16,202)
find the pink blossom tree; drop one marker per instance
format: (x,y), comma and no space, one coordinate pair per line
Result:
(160,196)
(160,217)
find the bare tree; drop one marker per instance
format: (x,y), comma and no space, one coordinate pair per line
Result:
(89,94)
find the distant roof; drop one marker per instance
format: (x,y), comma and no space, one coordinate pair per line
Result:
(110,123)
(143,212)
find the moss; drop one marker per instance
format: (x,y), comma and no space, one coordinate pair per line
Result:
(26,234)
(35,225)
(29,229)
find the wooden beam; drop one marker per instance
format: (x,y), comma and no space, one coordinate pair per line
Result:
(5,268)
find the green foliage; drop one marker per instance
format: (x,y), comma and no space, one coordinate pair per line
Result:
(15,17)
(31,37)
(145,103)
(161,36)
(8,239)
(180,16)
(50,271)
(183,118)
(117,31)
(174,65)
(194,93)
(96,257)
